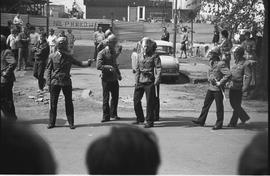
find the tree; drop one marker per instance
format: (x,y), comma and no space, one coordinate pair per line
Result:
(230,14)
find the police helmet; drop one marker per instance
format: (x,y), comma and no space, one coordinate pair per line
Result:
(61,42)
(112,38)
(107,33)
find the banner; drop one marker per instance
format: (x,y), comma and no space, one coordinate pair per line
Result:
(187,4)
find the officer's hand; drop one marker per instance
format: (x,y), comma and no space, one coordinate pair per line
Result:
(218,83)
(119,77)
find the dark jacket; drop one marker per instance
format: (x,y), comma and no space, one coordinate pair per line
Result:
(241,75)
(106,59)
(165,36)
(22,40)
(218,72)
(148,69)
(58,68)
(216,37)
(41,51)
(8,65)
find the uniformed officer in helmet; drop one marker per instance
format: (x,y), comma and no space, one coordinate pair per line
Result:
(240,82)
(58,79)
(110,74)
(147,76)
(8,65)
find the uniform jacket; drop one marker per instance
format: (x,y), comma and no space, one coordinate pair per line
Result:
(41,51)
(105,59)
(148,69)
(218,72)
(58,68)
(8,65)
(241,75)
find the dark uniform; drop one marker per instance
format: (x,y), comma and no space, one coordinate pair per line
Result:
(59,66)
(41,52)
(165,36)
(145,82)
(8,65)
(106,62)
(219,72)
(241,77)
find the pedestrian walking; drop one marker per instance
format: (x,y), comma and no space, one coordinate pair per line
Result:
(52,41)
(165,34)
(99,36)
(250,54)
(41,52)
(218,75)
(58,79)
(241,77)
(225,47)
(107,63)
(22,43)
(215,39)
(146,80)
(34,39)
(184,42)
(12,43)
(71,39)
(8,65)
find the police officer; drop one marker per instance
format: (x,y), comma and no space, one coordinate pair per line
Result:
(106,62)
(146,80)
(241,77)
(58,79)
(8,65)
(218,75)
(102,44)
(41,52)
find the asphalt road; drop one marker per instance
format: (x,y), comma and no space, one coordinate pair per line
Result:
(185,148)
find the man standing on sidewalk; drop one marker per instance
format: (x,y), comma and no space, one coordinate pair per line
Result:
(41,52)
(99,36)
(58,79)
(148,73)
(106,62)
(218,75)
(22,43)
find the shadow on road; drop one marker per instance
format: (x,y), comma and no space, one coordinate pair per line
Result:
(59,122)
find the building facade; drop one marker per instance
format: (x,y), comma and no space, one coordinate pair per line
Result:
(129,10)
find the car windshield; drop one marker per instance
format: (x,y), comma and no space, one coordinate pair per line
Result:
(165,50)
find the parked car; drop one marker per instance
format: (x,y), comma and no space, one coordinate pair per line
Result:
(169,64)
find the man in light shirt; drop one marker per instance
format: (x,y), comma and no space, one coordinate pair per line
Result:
(11,43)
(52,41)
(34,38)
(99,36)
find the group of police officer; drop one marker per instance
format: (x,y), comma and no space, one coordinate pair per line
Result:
(147,79)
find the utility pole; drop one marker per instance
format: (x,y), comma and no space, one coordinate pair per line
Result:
(175,27)
(48,14)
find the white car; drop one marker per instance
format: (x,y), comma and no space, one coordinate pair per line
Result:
(169,64)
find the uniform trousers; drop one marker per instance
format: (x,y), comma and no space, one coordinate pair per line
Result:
(209,98)
(7,104)
(113,88)
(39,69)
(149,90)
(238,112)
(54,94)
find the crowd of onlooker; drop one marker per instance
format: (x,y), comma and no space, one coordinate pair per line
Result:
(127,150)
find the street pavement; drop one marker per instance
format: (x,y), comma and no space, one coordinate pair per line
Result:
(185,148)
